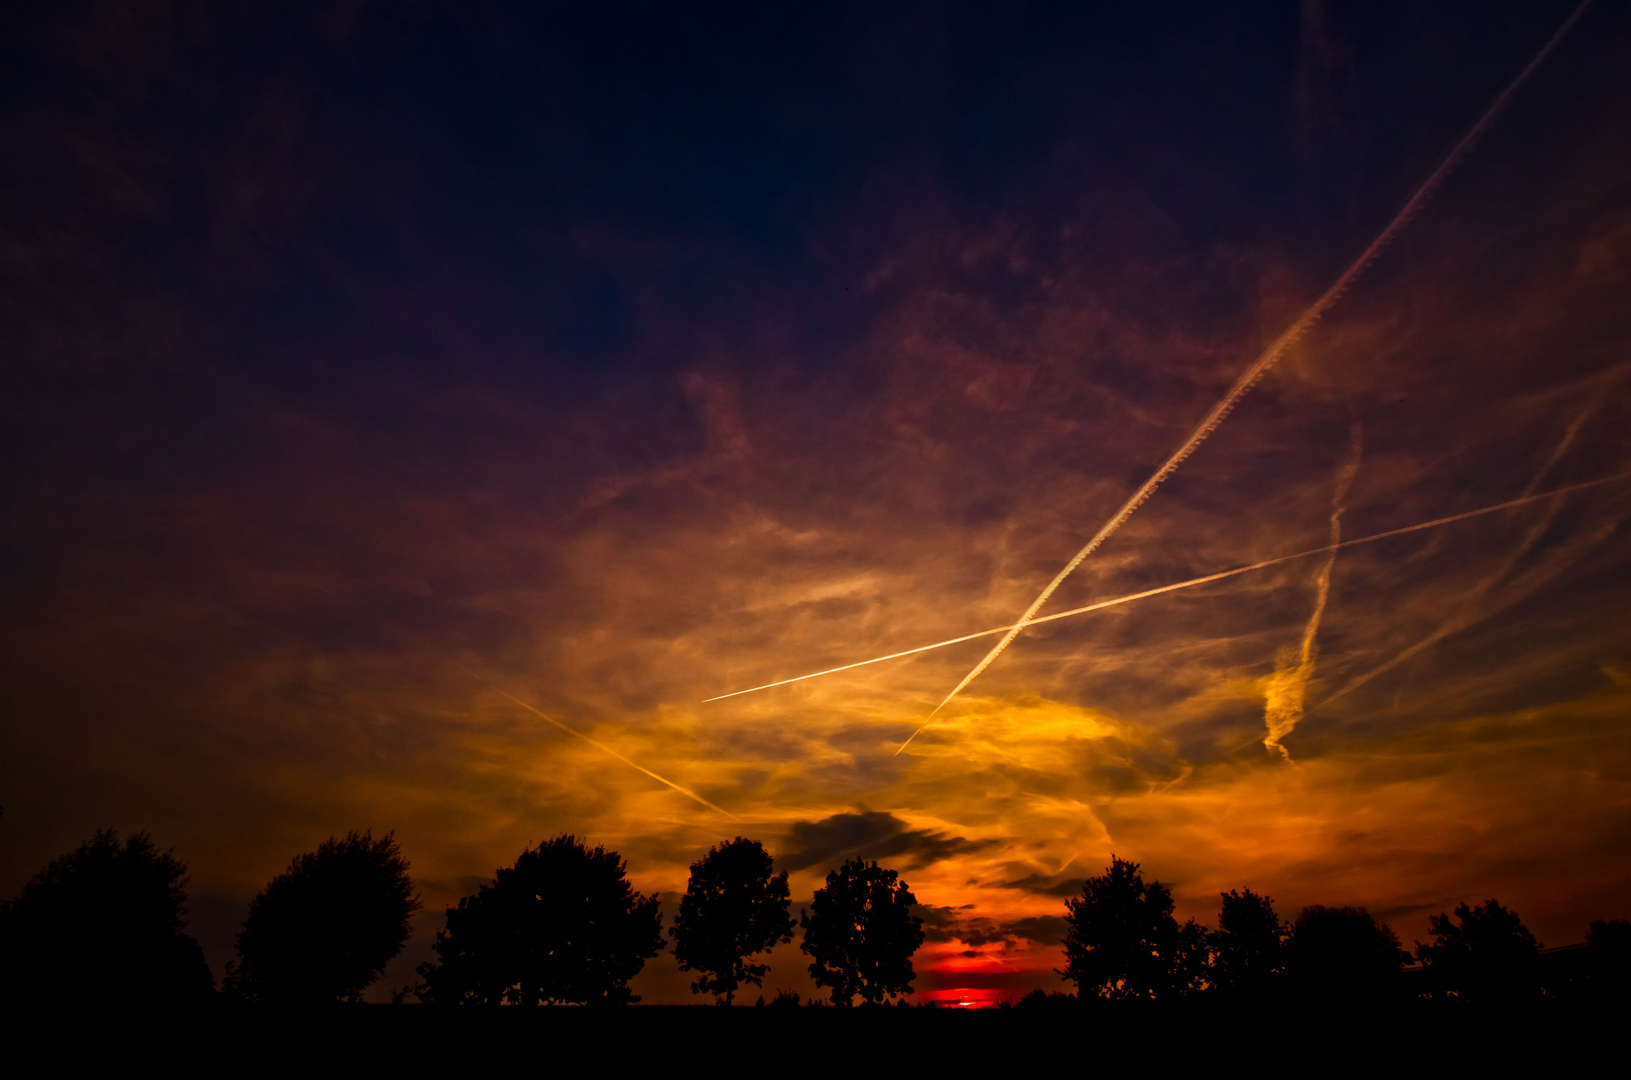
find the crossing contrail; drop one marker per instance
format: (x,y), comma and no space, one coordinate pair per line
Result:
(1276,350)
(1192,582)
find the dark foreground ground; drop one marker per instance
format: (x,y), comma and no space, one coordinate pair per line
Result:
(1065,1039)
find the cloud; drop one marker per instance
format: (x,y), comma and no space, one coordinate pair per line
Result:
(1046,885)
(871,836)
(961,924)
(1042,929)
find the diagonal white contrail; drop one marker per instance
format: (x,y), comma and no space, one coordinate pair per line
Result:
(1192,582)
(1277,349)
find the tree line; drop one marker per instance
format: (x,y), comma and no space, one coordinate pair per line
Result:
(563,925)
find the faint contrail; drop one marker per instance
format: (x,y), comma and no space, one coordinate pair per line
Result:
(1192,582)
(1276,350)
(1287,689)
(598,745)
(501,692)
(1467,616)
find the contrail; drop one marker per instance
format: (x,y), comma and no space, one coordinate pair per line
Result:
(501,692)
(1287,690)
(1276,349)
(598,745)
(1467,616)
(1192,582)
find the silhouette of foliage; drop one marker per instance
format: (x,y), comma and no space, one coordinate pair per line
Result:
(1124,942)
(734,908)
(325,928)
(1484,954)
(1248,944)
(860,934)
(104,923)
(1608,946)
(1343,953)
(560,926)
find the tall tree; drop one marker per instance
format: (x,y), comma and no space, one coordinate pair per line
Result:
(734,908)
(860,934)
(1124,942)
(103,924)
(1484,953)
(325,928)
(1343,953)
(1248,945)
(561,926)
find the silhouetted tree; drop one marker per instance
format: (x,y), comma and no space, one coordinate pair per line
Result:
(1343,953)
(1247,946)
(325,928)
(861,934)
(102,924)
(734,908)
(1124,942)
(1484,954)
(560,926)
(1608,946)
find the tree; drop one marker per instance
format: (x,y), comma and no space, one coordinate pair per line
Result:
(1343,953)
(104,923)
(325,928)
(734,908)
(560,926)
(1123,941)
(860,934)
(1484,954)
(1248,945)
(1608,959)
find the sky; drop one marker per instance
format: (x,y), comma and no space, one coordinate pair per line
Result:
(415,412)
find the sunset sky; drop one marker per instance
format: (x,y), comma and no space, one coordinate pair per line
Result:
(391,387)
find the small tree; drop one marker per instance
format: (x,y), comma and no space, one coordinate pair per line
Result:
(103,924)
(560,926)
(1248,944)
(325,928)
(1123,941)
(861,934)
(734,908)
(1343,953)
(1485,953)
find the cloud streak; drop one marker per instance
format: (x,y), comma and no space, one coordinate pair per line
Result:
(1287,689)
(1322,581)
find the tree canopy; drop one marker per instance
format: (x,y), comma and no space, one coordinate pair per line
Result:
(1343,953)
(104,923)
(1483,953)
(1123,941)
(325,928)
(860,934)
(562,926)
(735,907)
(1248,944)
